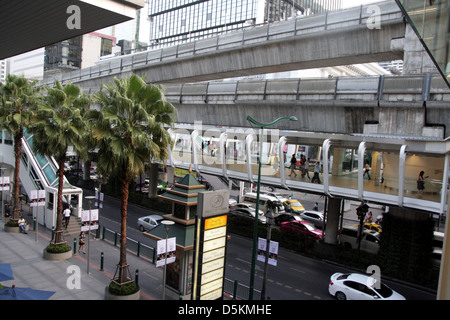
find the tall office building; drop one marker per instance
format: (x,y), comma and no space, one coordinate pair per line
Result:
(176,21)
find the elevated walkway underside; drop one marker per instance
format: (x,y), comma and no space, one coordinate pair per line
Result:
(401,105)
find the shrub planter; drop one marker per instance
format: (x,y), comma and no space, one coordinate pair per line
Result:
(12,229)
(54,255)
(114,295)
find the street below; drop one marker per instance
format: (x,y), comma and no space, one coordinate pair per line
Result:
(296,277)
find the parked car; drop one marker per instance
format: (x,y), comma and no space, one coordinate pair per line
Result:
(293,206)
(355,286)
(370,240)
(264,199)
(248,207)
(148,222)
(302,227)
(231,202)
(283,217)
(245,212)
(279,196)
(316,218)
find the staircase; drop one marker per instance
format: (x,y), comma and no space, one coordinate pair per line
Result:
(74,228)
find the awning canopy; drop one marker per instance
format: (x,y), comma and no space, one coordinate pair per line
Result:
(29,24)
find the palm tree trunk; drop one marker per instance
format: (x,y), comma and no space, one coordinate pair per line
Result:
(17,155)
(59,209)
(125,184)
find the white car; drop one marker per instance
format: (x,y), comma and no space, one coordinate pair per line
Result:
(355,286)
(314,217)
(148,222)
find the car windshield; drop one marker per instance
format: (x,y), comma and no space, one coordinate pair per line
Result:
(295,204)
(383,290)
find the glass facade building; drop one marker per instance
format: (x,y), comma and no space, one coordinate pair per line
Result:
(430,21)
(175,21)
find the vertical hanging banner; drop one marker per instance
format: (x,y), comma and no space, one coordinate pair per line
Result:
(37,198)
(161,251)
(4,183)
(273,251)
(210,244)
(89,219)
(98,199)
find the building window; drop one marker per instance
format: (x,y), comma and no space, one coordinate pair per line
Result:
(106,47)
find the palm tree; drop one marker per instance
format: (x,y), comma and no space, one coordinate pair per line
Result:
(130,132)
(59,123)
(18,96)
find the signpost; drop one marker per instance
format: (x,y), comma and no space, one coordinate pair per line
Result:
(37,198)
(210,245)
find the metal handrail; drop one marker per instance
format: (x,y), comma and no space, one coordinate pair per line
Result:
(249,35)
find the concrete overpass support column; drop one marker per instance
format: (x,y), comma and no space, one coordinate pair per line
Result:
(332,226)
(281,144)
(401,175)
(361,150)
(248,143)
(338,160)
(325,150)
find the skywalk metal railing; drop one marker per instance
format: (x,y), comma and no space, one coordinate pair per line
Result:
(385,12)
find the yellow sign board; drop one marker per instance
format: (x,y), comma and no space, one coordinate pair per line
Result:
(215,222)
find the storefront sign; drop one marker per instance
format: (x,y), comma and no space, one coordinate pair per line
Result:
(210,243)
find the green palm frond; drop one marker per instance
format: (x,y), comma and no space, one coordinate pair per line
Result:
(132,114)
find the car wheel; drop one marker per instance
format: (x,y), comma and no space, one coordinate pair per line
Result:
(340,296)
(141,227)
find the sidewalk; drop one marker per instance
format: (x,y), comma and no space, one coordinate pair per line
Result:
(31,270)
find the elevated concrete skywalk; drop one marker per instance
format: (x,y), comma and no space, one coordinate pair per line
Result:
(355,35)
(394,163)
(415,105)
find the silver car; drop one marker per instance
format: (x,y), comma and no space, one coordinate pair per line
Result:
(148,222)
(314,217)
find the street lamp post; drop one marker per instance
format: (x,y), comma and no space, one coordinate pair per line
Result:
(37,210)
(167,224)
(270,219)
(255,227)
(90,198)
(3,207)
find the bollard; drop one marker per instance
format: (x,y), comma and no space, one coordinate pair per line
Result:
(74,245)
(136,277)
(101,261)
(34,223)
(138,251)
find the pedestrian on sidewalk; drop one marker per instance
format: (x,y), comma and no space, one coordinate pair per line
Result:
(66,213)
(22,225)
(82,241)
(293,165)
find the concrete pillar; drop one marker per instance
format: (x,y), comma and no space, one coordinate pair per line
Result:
(153,181)
(338,159)
(331,228)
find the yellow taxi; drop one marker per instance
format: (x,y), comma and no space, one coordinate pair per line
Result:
(371,226)
(293,206)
